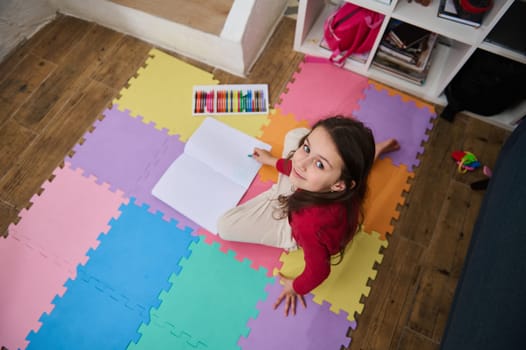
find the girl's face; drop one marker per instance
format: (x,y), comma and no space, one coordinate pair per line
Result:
(317,165)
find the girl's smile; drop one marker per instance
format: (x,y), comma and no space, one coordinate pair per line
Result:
(297,174)
(316,164)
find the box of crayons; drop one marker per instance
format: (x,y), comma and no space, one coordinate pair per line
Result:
(230,99)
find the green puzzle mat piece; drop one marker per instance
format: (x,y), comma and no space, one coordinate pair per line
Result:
(208,305)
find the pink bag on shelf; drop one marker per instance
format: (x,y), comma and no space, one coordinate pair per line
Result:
(351,29)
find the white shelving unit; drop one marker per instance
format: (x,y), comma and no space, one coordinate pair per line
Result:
(457,43)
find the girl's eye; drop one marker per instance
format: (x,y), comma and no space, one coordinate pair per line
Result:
(319,165)
(306,148)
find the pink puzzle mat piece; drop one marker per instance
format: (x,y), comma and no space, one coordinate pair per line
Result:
(260,255)
(47,244)
(256,187)
(319,90)
(29,282)
(66,219)
(45,247)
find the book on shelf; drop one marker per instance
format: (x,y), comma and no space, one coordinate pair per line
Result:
(451,10)
(414,72)
(393,51)
(392,68)
(421,59)
(409,54)
(211,175)
(406,35)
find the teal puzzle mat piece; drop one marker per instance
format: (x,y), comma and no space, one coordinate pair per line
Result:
(209,303)
(139,254)
(160,334)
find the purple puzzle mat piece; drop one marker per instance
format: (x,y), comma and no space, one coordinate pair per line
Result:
(391,117)
(313,328)
(130,156)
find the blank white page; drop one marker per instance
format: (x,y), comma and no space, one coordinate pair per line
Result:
(225,149)
(212,174)
(193,189)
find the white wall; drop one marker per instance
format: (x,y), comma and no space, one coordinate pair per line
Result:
(20,19)
(235,50)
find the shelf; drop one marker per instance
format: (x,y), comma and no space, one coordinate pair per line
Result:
(503,51)
(508,119)
(376,6)
(311,44)
(426,17)
(434,81)
(456,44)
(500,42)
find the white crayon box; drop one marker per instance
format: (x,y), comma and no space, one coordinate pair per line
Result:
(230,99)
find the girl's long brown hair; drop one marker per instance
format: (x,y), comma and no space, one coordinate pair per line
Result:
(356,147)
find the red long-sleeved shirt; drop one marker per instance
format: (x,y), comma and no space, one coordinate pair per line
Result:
(319,231)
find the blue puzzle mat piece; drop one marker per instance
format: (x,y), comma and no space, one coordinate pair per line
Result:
(119,284)
(88,316)
(139,254)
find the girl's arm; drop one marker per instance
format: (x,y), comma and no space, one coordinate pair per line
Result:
(264,157)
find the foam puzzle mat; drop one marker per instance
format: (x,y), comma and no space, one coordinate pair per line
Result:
(97,262)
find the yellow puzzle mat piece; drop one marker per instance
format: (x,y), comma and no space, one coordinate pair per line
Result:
(161,93)
(274,134)
(347,282)
(387,183)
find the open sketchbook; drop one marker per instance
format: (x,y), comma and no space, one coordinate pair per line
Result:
(212,174)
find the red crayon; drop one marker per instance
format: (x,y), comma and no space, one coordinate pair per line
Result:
(199,101)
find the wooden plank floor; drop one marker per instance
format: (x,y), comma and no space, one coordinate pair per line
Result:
(54,86)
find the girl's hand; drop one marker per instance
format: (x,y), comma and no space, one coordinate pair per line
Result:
(264,157)
(290,296)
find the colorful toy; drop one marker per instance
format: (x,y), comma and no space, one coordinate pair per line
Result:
(466,161)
